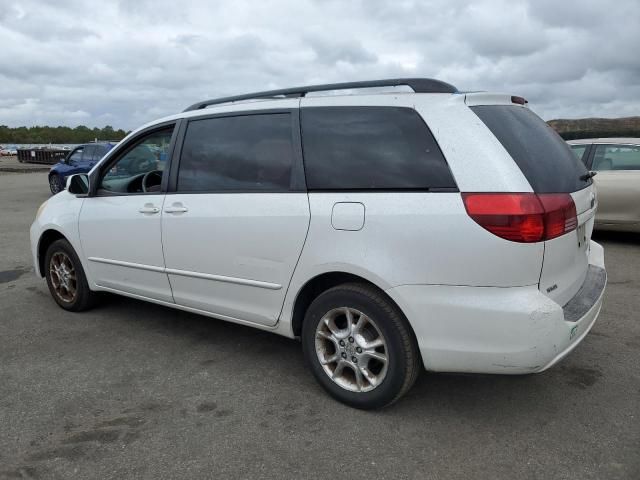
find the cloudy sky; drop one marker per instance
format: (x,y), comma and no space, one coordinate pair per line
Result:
(123,63)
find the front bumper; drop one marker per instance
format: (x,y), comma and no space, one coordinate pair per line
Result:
(499,330)
(34,236)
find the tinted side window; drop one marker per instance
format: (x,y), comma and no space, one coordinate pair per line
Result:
(353,148)
(542,155)
(617,157)
(241,153)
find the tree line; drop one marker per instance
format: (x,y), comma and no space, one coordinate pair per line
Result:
(571,129)
(42,134)
(577,134)
(82,134)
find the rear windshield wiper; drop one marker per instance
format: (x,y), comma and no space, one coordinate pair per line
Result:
(588,175)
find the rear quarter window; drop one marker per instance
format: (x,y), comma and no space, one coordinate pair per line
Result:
(371,148)
(542,155)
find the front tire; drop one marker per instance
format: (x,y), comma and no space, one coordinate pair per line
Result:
(359,346)
(66,279)
(55,183)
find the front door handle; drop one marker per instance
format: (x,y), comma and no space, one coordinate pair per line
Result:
(176,208)
(149,208)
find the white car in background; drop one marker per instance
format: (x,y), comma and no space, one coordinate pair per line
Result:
(390,232)
(8,151)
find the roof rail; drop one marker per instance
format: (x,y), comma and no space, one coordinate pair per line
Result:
(419,85)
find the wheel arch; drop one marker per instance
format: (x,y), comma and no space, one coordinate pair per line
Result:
(57,173)
(323,282)
(47,238)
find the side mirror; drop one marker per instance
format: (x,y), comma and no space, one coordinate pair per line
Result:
(78,184)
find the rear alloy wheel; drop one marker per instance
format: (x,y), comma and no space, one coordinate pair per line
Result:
(359,346)
(55,183)
(66,279)
(351,349)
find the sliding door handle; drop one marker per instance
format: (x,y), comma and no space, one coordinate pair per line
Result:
(176,208)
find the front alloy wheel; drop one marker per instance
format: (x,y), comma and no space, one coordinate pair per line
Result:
(63,277)
(66,278)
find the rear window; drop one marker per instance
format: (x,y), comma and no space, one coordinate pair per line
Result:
(371,148)
(544,158)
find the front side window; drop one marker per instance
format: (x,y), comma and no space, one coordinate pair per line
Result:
(616,157)
(140,168)
(369,148)
(240,153)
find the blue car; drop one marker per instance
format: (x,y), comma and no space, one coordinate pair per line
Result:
(79,160)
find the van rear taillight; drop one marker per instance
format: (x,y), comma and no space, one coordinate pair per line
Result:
(523,217)
(560,214)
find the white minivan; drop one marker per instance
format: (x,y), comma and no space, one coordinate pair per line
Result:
(407,227)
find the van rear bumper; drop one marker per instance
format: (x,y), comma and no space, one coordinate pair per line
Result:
(500,330)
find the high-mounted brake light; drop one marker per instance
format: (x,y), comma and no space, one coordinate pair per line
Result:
(519,100)
(523,217)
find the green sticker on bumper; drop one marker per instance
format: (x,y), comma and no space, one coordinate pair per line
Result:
(573,332)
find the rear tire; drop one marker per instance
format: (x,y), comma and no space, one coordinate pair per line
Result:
(66,279)
(355,327)
(55,183)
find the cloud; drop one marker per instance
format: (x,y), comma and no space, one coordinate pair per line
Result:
(330,51)
(66,62)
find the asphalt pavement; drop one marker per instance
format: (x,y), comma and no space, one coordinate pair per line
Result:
(11,164)
(135,390)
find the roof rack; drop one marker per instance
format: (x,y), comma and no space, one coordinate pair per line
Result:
(419,85)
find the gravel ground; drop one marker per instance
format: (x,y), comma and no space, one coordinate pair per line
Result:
(135,390)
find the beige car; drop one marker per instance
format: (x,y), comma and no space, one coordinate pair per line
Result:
(617,163)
